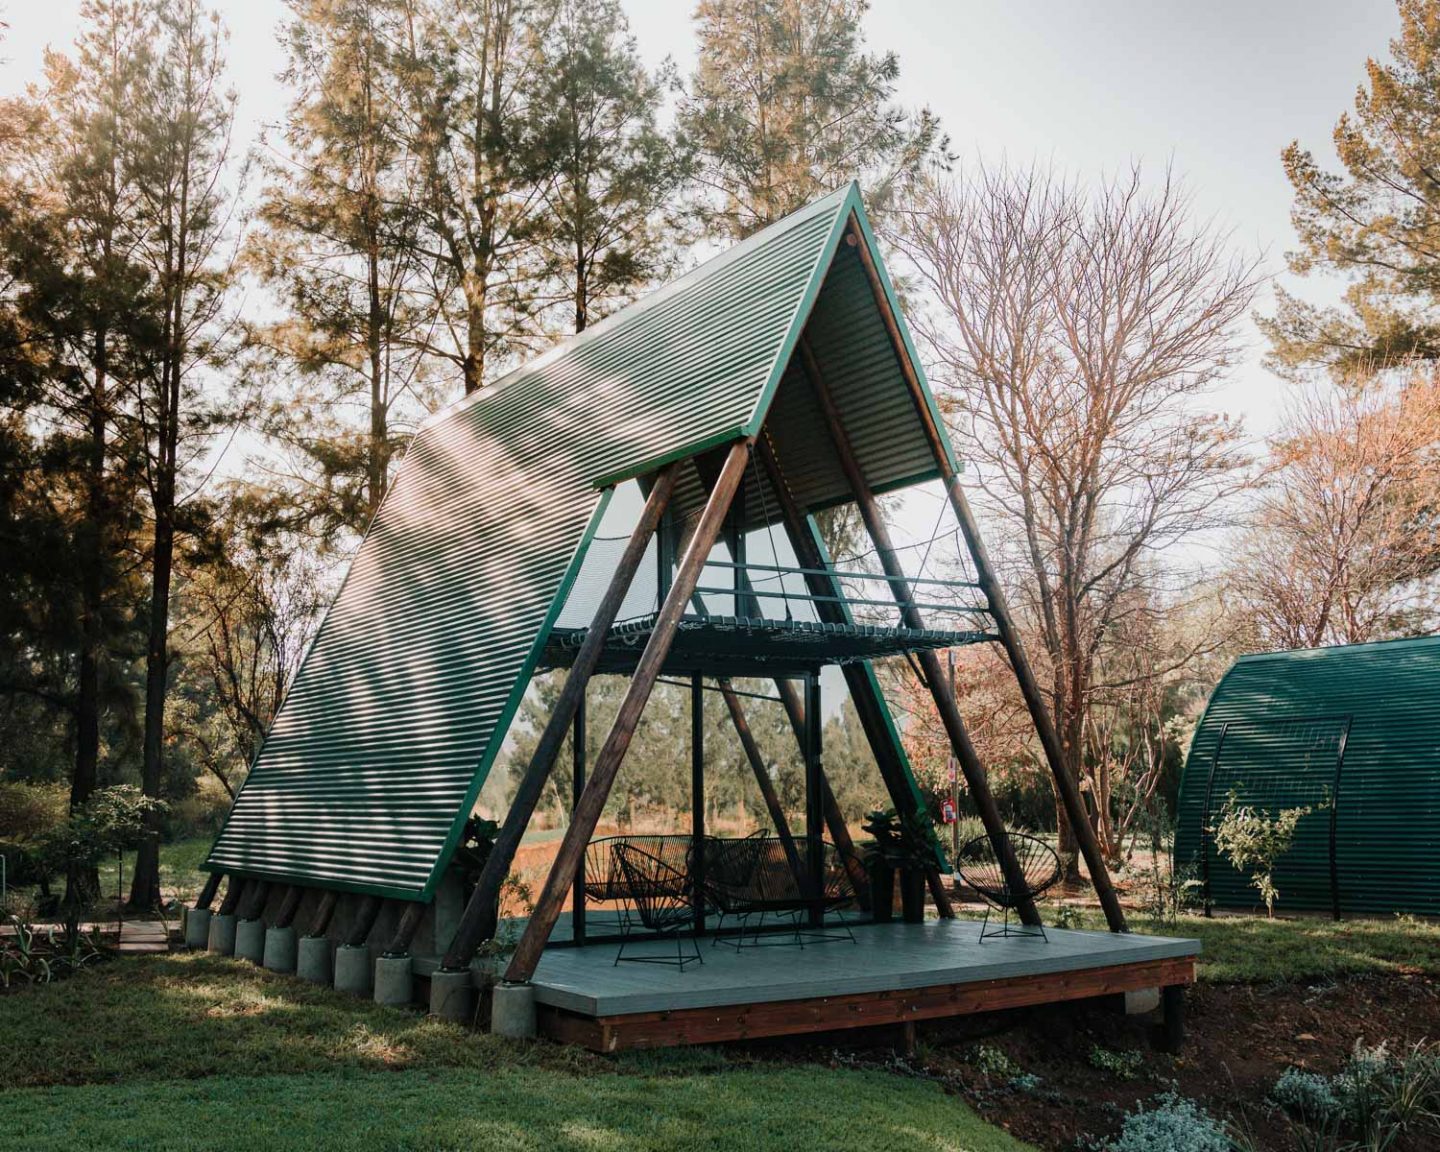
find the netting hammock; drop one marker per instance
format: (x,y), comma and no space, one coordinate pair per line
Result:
(979,866)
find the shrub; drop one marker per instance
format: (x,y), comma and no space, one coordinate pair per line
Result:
(1173,1124)
(1122,1065)
(1305,1095)
(1254,841)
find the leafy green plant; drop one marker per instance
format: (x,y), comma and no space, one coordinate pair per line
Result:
(992,1063)
(112,820)
(1124,1065)
(1254,841)
(899,840)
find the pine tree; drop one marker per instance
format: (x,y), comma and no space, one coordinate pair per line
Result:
(340,246)
(786,105)
(182,122)
(470,74)
(1376,223)
(607,172)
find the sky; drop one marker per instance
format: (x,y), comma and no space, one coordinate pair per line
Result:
(1217,89)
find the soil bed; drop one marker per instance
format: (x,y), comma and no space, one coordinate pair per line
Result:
(1063,1077)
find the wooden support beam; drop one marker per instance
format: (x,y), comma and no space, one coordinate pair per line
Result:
(577,788)
(697,798)
(834,817)
(253,902)
(289,906)
(324,911)
(814,807)
(869,704)
(975,777)
(642,683)
(1040,715)
(477,923)
(234,892)
(366,914)
(406,929)
(207,893)
(762,779)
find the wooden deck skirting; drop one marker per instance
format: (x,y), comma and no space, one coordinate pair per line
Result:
(861,1010)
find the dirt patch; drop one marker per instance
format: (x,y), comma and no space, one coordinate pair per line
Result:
(1063,1077)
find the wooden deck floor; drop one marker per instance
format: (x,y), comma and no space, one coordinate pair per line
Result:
(893,973)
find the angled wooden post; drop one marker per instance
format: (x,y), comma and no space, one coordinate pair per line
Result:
(995,599)
(233,892)
(289,906)
(834,817)
(864,691)
(254,902)
(642,683)
(762,779)
(366,914)
(477,923)
(207,893)
(899,585)
(405,931)
(324,911)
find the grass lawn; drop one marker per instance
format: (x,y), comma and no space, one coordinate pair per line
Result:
(1254,950)
(197,1052)
(179,868)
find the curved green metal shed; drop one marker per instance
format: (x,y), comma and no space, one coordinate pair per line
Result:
(1353,730)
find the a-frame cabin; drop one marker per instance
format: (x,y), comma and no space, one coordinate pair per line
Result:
(773,382)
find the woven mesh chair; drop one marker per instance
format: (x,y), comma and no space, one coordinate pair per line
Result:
(980,868)
(605,880)
(729,875)
(663,899)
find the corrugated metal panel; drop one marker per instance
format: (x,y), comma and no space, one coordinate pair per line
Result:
(373,763)
(1275,729)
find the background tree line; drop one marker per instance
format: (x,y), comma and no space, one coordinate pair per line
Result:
(211,361)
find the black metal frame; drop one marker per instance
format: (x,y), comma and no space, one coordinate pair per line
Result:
(664,902)
(998,895)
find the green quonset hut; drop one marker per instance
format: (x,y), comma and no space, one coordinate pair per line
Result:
(1354,731)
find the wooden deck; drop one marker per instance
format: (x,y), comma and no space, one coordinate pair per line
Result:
(892,974)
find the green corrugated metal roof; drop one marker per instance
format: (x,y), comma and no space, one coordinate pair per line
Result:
(386,736)
(1275,730)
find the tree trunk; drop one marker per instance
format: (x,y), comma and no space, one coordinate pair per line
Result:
(83,884)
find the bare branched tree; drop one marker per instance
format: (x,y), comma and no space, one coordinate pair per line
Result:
(1074,335)
(1346,545)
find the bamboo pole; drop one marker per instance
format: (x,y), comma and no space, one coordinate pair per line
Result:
(869,704)
(477,923)
(607,763)
(999,608)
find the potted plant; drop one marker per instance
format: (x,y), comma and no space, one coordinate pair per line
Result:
(903,844)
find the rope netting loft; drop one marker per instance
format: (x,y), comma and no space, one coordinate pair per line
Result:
(938,567)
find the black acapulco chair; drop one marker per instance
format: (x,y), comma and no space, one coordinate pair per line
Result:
(980,868)
(663,899)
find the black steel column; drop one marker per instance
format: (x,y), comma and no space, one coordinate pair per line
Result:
(577,901)
(814,797)
(697,797)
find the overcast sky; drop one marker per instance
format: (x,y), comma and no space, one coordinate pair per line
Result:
(1218,88)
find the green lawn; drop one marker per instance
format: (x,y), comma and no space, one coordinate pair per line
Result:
(197,1052)
(179,868)
(1253,950)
